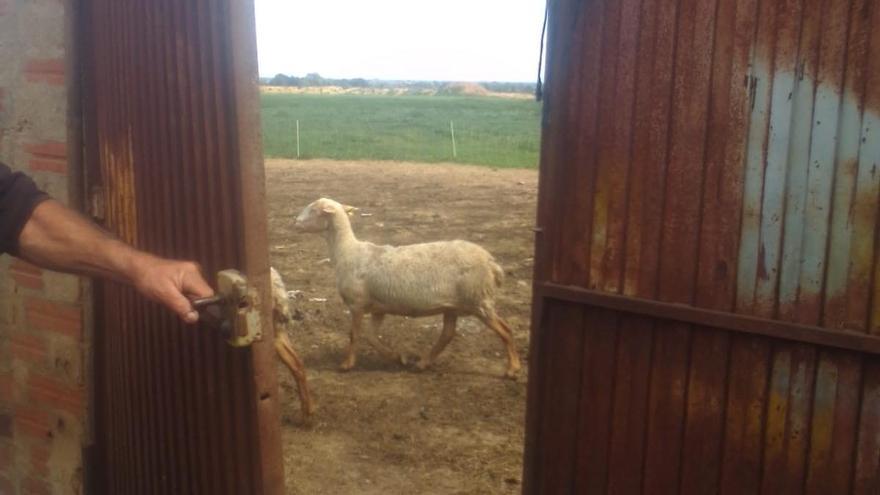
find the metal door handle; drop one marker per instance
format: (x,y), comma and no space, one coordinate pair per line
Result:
(234,309)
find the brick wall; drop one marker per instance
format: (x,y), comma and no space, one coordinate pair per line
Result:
(42,341)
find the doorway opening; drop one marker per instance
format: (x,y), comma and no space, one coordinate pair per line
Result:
(427,123)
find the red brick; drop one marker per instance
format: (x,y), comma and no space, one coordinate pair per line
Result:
(38,164)
(49,149)
(48,71)
(28,281)
(55,393)
(26,275)
(53,316)
(32,422)
(19,265)
(28,347)
(35,486)
(40,460)
(48,156)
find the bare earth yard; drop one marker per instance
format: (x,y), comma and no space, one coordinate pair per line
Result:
(384,428)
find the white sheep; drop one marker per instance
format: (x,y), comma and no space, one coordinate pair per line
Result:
(452,278)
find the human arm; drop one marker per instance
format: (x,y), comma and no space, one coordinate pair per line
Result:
(60,239)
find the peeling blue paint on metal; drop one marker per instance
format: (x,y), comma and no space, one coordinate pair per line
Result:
(796,194)
(820,180)
(821,163)
(844,188)
(772,209)
(751,218)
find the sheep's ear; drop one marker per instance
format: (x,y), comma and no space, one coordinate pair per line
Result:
(350,209)
(326,207)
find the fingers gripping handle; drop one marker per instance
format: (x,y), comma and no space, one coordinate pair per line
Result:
(234,310)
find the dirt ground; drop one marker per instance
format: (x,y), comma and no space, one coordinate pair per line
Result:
(383,428)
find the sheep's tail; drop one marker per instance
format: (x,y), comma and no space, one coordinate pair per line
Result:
(498,274)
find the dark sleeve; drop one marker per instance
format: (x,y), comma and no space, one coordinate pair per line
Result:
(18,198)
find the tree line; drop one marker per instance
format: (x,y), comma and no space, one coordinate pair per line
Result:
(314,79)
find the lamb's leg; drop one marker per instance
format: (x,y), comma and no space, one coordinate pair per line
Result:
(372,337)
(493,321)
(357,318)
(449,320)
(297,368)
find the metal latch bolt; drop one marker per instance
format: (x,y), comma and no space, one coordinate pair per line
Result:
(235,309)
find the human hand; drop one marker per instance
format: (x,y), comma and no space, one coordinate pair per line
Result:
(170,282)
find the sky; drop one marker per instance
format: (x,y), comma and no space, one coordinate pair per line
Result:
(446,40)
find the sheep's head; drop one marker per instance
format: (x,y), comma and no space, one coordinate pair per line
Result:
(316,216)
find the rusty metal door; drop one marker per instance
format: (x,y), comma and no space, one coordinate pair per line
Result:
(707,285)
(171,124)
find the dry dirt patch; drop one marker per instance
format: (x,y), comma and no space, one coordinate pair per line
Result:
(383,428)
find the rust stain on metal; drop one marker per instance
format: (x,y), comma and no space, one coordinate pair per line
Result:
(596,402)
(701,452)
(630,403)
(834,423)
(580,134)
(725,155)
(788,416)
(173,125)
(613,150)
(867,462)
(119,169)
(721,154)
(650,144)
(744,421)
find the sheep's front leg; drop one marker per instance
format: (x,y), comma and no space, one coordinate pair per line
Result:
(290,358)
(357,318)
(449,321)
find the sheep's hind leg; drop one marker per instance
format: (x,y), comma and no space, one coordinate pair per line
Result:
(357,318)
(500,327)
(298,370)
(449,320)
(373,338)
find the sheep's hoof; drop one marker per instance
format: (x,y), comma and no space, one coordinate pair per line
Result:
(512,374)
(409,359)
(346,365)
(423,364)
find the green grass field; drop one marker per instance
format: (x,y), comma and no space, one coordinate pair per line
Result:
(498,132)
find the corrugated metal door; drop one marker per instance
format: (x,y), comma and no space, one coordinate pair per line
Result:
(707,303)
(173,148)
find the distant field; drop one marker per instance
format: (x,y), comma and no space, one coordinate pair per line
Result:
(499,132)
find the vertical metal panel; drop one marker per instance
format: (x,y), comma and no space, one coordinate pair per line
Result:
(725,156)
(630,396)
(558,423)
(650,143)
(580,132)
(596,402)
(744,414)
(613,149)
(557,118)
(173,121)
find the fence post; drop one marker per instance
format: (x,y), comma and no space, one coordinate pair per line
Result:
(452,132)
(297,138)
